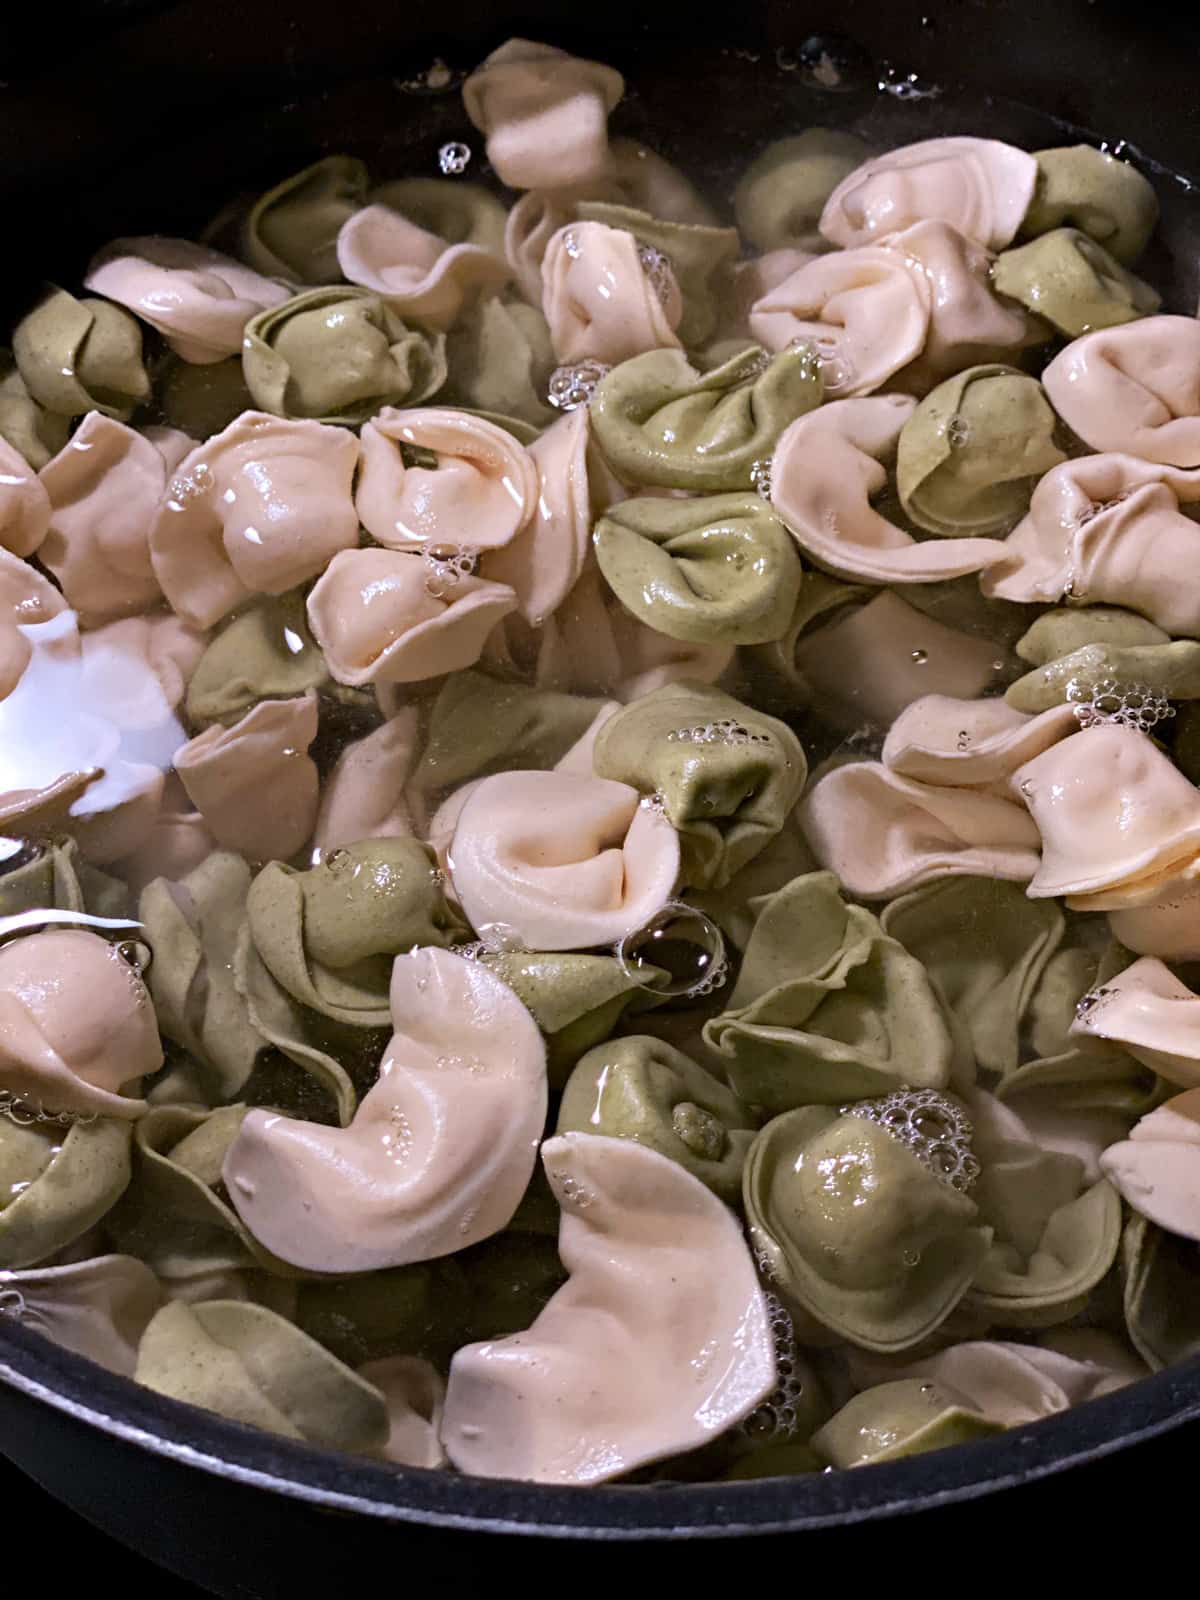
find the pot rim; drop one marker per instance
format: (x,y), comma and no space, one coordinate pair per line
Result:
(190,1437)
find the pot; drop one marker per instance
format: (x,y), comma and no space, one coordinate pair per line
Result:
(130,116)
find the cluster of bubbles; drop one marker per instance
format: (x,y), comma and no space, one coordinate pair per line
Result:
(656,264)
(1088,1002)
(958,433)
(760,477)
(935,1128)
(905,85)
(12,1304)
(778,1416)
(448,565)
(494,939)
(1096,508)
(28,1113)
(573,385)
(454,158)
(191,485)
(724,731)
(1130,705)
(684,943)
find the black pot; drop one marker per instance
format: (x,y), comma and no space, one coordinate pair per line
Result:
(134,116)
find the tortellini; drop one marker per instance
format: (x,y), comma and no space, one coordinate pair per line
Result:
(660,422)
(1084,188)
(780,196)
(969,456)
(57,1184)
(337,355)
(893,1420)
(859,1230)
(81,355)
(716,569)
(291,232)
(827,1007)
(728,776)
(1073,282)
(643,1089)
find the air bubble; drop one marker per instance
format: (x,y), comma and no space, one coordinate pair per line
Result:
(760,477)
(833,64)
(1087,1003)
(447,565)
(680,941)
(656,264)
(726,730)
(920,657)
(27,1113)
(499,938)
(906,85)
(573,386)
(135,954)
(933,1126)
(700,1131)
(454,158)
(338,861)
(1131,705)
(958,433)
(12,1304)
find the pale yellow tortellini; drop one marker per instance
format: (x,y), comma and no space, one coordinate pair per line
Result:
(857,1231)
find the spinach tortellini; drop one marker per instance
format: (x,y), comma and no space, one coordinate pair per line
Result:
(893,1420)
(33,431)
(644,1089)
(192,927)
(339,355)
(576,1000)
(972,451)
(780,197)
(500,357)
(479,725)
(328,935)
(718,570)
(855,1229)
(827,1008)
(291,231)
(1089,189)
(265,653)
(1073,282)
(1161,1275)
(662,423)
(56,1185)
(81,355)
(728,775)
(246,1362)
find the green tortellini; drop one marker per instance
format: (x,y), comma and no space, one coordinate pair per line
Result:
(827,1008)
(81,355)
(41,876)
(718,570)
(265,653)
(459,213)
(192,928)
(500,358)
(1053,1239)
(250,1364)
(174,1214)
(291,231)
(985,945)
(1084,188)
(662,423)
(855,1230)
(479,725)
(57,1184)
(576,1000)
(1063,629)
(643,1089)
(1161,1276)
(729,776)
(204,398)
(338,355)
(971,452)
(734,908)
(329,935)
(702,259)
(32,430)
(1171,670)
(1072,282)
(306,1039)
(780,197)
(893,1420)
(771,667)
